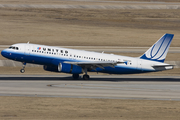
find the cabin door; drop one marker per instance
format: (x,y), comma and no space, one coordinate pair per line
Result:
(139,65)
(27,49)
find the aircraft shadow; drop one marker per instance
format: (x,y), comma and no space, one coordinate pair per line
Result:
(69,78)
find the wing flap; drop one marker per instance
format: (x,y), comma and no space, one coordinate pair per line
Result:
(100,64)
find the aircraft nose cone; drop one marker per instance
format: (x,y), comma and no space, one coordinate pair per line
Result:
(4,53)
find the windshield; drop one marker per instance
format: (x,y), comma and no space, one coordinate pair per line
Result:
(13,47)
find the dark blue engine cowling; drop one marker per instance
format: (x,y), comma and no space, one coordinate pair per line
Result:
(64,67)
(50,68)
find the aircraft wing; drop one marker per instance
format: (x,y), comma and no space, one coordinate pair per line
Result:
(95,64)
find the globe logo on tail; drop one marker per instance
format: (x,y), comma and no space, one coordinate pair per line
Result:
(159,50)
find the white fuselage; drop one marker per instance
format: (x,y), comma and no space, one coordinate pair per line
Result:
(49,55)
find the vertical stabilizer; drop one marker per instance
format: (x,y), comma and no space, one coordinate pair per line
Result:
(159,50)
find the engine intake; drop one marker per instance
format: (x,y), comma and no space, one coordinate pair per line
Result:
(69,68)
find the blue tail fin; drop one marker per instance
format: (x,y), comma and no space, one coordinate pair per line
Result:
(159,50)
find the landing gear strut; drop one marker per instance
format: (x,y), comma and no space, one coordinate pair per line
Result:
(75,76)
(22,70)
(85,76)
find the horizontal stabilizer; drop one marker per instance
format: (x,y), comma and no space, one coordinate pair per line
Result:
(163,67)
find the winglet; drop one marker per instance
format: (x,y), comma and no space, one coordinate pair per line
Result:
(159,50)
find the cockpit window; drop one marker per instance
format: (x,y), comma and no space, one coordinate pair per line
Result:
(13,47)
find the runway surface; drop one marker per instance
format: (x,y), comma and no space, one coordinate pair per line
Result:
(106,86)
(94,5)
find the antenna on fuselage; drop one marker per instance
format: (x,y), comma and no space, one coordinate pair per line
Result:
(28,42)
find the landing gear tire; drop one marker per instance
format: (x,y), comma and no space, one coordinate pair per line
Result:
(22,70)
(75,76)
(86,77)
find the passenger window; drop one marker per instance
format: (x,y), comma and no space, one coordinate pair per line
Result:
(10,47)
(56,50)
(61,51)
(13,48)
(49,49)
(34,50)
(66,51)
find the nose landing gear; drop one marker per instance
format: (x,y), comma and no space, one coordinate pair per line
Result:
(22,70)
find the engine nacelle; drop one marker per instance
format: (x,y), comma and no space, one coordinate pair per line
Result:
(64,67)
(69,68)
(50,68)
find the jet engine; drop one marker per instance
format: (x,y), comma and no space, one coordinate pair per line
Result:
(50,68)
(64,67)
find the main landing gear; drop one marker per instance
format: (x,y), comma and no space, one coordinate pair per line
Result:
(76,77)
(85,76)
(23,70)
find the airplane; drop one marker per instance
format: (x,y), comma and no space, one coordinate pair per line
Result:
(75,62)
